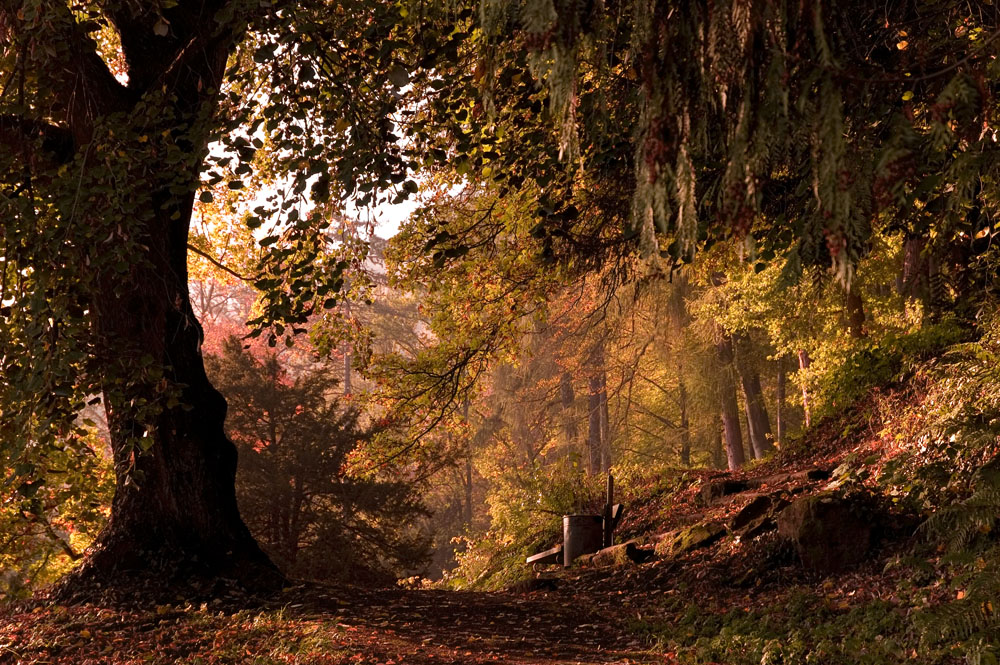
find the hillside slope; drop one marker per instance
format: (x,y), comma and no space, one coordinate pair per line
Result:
(868,541)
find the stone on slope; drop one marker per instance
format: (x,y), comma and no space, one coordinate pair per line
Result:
(690,539)
(760,506)
(829,532)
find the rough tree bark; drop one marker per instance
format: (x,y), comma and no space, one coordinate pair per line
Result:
(174,511)
(174,507)
(730,408)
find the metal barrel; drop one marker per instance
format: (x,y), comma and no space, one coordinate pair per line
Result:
(582,534)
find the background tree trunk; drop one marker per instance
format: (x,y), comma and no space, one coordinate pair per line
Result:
(803,366)
(855,314)
(685,422)
(567,398)
(718,456)
(348,388)
(780,414)
(730,408)
(467,479)
(758,424)
(598,435)
(913,277)
(605,426)
(757,420)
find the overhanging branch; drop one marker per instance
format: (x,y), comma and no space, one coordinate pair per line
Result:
(215,262)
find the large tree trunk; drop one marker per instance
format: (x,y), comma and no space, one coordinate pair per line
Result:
(174,514)
(730,408)
(174,511)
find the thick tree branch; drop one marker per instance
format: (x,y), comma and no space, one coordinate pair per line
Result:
(153,42)
(77,77)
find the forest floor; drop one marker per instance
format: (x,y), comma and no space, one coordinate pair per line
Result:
(326,626)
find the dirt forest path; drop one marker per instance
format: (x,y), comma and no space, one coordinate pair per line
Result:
(469,627)
(330,626)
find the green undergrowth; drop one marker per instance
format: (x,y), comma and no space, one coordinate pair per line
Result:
(924,610)
(934,450)
(803,628)
(526,509)
(888,360)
